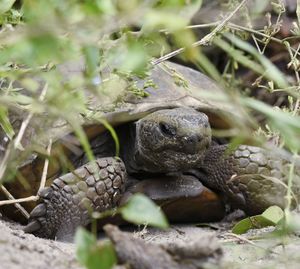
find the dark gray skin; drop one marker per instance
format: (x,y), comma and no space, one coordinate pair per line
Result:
(166,141)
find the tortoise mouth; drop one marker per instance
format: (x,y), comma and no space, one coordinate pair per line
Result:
(191,146)
(168,161)
(171,140)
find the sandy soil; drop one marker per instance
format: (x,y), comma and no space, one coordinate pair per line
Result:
(20,250)
(252,250)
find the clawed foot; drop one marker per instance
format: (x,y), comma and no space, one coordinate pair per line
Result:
(70,200)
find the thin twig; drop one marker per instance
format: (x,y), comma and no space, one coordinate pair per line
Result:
(20,200)
(205,25)
(17,141)
(196,26)
(13,200)
(256,43)
(17,205)
(244,239)
(277,40)
(237,27)
(206,39)
(45,168)
(294,64)
(5,159)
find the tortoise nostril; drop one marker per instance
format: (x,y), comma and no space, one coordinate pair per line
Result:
(167,129)
(193,139)
(192,144)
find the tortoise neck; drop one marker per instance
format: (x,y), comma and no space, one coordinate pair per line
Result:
(102,146)
(127,139)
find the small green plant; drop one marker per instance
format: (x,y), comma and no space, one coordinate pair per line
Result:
(141,210)
(100,255)
(270,217)
(93,254)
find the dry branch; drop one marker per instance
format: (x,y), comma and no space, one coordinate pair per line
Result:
(206,39)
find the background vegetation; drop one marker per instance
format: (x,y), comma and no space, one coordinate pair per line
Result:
(251,48)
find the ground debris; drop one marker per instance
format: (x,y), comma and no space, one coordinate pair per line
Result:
(137,254)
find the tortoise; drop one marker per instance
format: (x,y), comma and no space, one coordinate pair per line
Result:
(167,152)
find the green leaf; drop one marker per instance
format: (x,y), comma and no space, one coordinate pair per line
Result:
(141,210)
(91,254)
(5,123)
(242,226)
(6,5)
(135,58)
(81,135)
(113,134)
(163,20)
(190,9)
(238,55)
(91,54)
(185,9)
(254,222)
(205,64)
(273,214)
(84,242)
(270,217)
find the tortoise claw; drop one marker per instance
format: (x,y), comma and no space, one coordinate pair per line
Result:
(38,211)
(45,193)
(32,226)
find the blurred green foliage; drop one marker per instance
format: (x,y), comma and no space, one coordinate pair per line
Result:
(92,37)
(37,36)
(124,36)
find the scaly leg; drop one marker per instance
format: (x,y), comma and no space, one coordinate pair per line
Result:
(252,178)
(69,201)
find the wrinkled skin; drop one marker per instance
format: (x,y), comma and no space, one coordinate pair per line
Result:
(170,140)
(166,141)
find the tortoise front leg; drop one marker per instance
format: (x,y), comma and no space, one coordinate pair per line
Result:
(69,201)
(252,178)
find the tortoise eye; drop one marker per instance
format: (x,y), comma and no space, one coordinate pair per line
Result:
(167,129)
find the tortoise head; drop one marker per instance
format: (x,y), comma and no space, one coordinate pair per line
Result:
(171,140)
